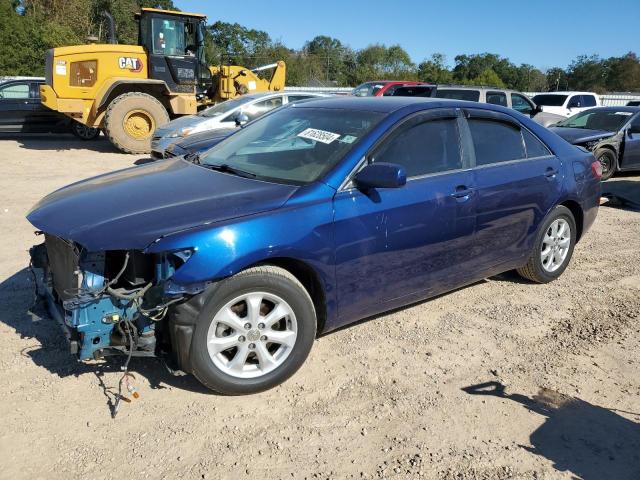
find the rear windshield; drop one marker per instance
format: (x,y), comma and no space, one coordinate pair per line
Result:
(550,100)
(293,145)
(455,94)
(607,120)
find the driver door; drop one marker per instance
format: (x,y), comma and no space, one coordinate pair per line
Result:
(631,154)
(398,244)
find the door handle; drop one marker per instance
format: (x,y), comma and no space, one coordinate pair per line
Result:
(550,172)
(462,192)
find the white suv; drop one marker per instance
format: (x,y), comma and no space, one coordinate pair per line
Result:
(566,104)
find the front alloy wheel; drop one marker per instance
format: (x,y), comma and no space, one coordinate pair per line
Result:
(252,335)
(254,331)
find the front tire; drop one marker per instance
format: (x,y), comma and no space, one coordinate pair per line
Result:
(608,161)
(553,248)
(254,332)
(131,119)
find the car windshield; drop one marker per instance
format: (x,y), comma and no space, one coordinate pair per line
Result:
(550,100)
(292,145)
(608,120)
(368,89)
(224,107)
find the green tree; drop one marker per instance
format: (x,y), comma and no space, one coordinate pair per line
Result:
(435,70)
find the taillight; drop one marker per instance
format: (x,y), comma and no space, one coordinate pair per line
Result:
(596,169)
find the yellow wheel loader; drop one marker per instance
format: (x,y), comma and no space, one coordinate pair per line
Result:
(130,90)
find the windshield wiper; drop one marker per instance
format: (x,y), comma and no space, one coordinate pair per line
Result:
(225,168)
(193,158)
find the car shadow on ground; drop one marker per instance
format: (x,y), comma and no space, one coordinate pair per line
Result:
(24,312)
(588,441)
(622,193)
(60,142)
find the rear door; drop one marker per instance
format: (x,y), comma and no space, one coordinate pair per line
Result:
(517,180)
(15,106)
(631,153)
(392,243)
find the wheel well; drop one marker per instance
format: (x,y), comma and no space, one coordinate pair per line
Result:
(311,282)
(155,90)
(578,215)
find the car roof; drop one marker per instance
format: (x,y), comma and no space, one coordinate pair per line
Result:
(567,92)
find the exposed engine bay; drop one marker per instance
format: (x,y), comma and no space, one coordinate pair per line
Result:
(109,302)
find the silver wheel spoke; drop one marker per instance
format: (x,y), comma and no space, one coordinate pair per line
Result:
(240,359)
(229,318)
(278,313)
(564,243)
(253,307)
(285,337)
(220,344)
(265,359)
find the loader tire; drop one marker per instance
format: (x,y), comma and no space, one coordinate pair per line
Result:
(131,119)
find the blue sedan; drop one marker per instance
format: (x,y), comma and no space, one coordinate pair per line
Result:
(309,219)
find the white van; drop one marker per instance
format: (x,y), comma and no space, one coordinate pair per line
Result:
(566,103)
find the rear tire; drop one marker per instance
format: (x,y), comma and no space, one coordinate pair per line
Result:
(553,247)
(131,119)
(83,132)
(238,346)
(609,162)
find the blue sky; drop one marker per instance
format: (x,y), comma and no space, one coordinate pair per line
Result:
(545,33)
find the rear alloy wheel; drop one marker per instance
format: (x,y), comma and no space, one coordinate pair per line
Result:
(608,162)
(131,119)
(83,132)
(255,331)
(553,248)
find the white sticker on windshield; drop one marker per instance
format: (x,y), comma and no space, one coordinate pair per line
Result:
(626,114)
(319,135)
(348,139)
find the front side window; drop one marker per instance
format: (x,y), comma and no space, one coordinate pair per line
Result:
(521,104)
(15,91)
(423,149)
(455,94)
(297,98)
(294,144)
(549,100)
(495,142)
(224,107)
(497,98)
(173,37)
(575,102)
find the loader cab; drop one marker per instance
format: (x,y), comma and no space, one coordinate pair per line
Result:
(175,45)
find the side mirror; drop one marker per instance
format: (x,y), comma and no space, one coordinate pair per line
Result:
(241,119)
(381,175)
(537,110)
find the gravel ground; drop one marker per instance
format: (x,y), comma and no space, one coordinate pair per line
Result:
(393,397)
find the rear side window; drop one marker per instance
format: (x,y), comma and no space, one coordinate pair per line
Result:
(575,102)
(497,98)
(588,101)
(453,94)
(426,148)
(535,148)
(495,142)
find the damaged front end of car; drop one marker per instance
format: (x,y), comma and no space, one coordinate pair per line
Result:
(108,302)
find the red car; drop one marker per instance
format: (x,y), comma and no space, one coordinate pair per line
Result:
(382,88)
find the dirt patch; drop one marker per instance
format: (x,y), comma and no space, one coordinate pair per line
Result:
(382,399)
